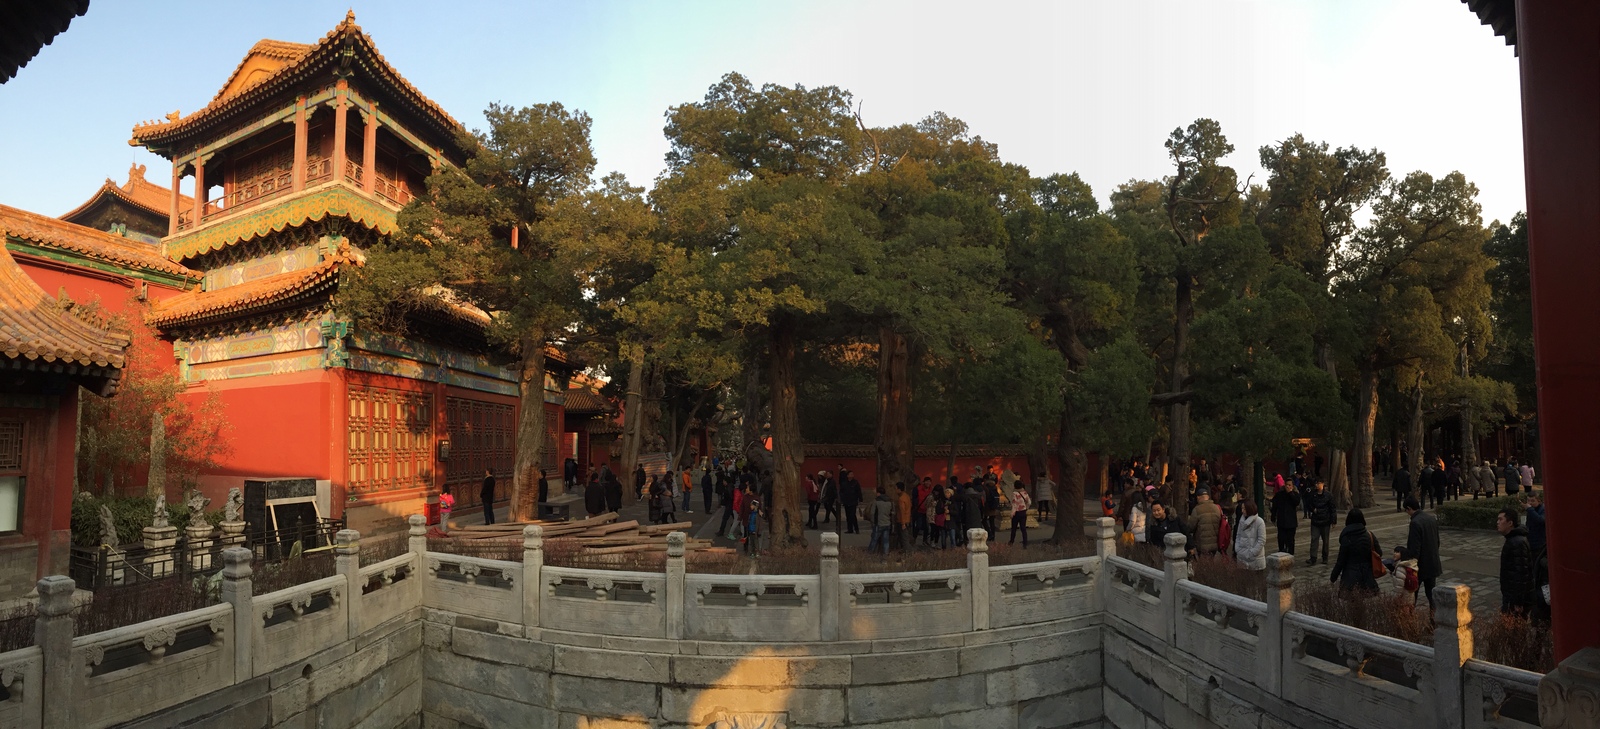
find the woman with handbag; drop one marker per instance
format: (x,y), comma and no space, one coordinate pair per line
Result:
(1360,561)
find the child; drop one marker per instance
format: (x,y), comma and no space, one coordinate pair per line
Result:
(1403,570)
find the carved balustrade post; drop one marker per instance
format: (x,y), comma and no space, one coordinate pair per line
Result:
(1569,697)
(1269,639)
(828,588)
(532,566)
(347,561)
(1105,543)
(675,584)
(1452,647)
(1175,567)
(978,566)
(238,590)
(417,538)
(52,632)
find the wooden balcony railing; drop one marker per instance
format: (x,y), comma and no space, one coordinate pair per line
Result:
(281,182)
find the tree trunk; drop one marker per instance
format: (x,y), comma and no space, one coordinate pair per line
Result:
(1039,459)
(1338,474)
(530,429)
(1177,484)
(754,451)
(1069,492)
(787,449)
(633,417)
(1418,432)
(1366,422)
(156,483)
(895,464)
(681,442)
(1469,445)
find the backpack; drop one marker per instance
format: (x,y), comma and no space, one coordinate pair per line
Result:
(1224,534)
(1411,580)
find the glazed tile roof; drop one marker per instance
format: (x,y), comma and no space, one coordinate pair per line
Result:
(136,191)
(35,326)
(584,400)
(262,294)
(54,233)
(315,57)
(30,26)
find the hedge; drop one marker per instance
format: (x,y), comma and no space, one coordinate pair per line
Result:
(131,513)
(1479,514)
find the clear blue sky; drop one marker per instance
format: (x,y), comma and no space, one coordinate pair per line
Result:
(1060,85)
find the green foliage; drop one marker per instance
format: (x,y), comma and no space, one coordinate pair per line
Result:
(131,514)
(1477,514)
(1510,356)
(1110,397)
(1009,394)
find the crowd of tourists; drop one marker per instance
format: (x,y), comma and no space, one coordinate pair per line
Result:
(1229,524)
(928,514)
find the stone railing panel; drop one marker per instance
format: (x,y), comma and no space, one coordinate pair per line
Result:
(629,604)
(761,608)
(1365,679)
(22,689)
(1220,628)
(905,604)
(1499,696)
(483,588)
(294,623)
(1133,595)
(1033,593)
(388,589)
(151,665)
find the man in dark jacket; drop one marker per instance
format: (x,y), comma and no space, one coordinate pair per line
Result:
(830,498)
(849,498)
(1422,541)
(1321,507)
(1401,483)
(707,485)
(638,482)
(1516,565)
(1286,515)
(486,494)
(1160,524)
(1535,505)
(971,508)
(613,490)
(594,496)
(569,473)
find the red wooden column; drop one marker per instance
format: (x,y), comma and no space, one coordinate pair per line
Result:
(341,107)
(1559,44)
(172,214)
(300,144)
(369,150)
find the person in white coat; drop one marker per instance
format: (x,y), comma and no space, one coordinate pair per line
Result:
(1251,547)
(1136,521)
(1044,495)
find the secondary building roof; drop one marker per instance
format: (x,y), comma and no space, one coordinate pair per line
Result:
(39,332)
(51,233)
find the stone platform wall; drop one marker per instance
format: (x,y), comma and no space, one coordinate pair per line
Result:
(475,674)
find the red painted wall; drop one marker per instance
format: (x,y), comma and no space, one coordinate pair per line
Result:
(281,426)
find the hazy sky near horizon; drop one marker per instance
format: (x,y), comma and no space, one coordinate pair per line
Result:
(1060,86)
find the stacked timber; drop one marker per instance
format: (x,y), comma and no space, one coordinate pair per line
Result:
(601,534)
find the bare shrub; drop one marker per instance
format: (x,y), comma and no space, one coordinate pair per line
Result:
(16,627)
(1514,640)
(1393,614)
(1226,574)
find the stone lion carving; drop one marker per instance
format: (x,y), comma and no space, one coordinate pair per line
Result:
(234,508)
(197,503)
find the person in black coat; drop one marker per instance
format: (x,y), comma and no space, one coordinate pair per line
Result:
(830,498)
(613,491)
(1401,483)
(1160,524)
(1516,565)
(487,496)
(1422,541)
(1286,515)
(1319,504)
(849,498)
(594,496)
(638,482)
(1353,569)
(971,508)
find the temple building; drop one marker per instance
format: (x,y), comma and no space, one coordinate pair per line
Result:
(301,161)
(137,209)
(49,349)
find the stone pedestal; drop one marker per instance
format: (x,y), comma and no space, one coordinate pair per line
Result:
(115,561)
(1569,697)
(161,543)
(232,533)
(198,537)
